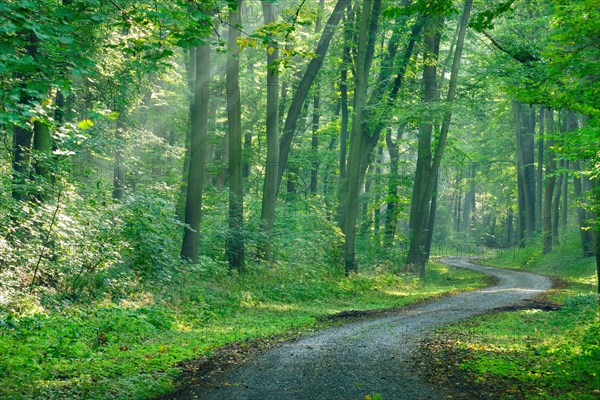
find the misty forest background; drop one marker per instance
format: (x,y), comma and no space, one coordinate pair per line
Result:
(179,175)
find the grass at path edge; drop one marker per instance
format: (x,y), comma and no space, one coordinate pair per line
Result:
(134,348)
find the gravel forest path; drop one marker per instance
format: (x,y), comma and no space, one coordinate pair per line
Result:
(369,356)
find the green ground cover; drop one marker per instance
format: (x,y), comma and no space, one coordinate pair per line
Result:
(130,348)
(534,353)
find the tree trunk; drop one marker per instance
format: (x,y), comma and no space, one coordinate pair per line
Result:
(267,215)
(344,95)
(193,205)
(550,182)
(428,166)
(291,120)
(316,115)
(525,133)
(509,228)
(585,231)
(540,171)
(359,148)
(432,212)
(191,78)
(235,239)
(391,215)
(119,167)
(556,204)
(565,199)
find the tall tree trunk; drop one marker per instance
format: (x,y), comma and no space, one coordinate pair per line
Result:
(267,215)
(540,171)
(550,182)
(556,204)
(596,196)
(316,115)
(565,199)
(235,239)
(377,198)
(191,79)
(344,93)
(585,231)
(509,227)
(359,151)
(376,123)
(119,167)
(193,204)
(426,178)
(432,213)
(291,120)
(391,215)
(525,133)
(22,135)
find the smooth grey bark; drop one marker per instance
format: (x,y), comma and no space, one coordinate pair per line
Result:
(235,238)
(269,196)
(193,204)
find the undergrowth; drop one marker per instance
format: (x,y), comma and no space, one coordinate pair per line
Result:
(130,347)
(552,354)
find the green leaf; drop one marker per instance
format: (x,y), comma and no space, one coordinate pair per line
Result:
(113,116)
(85,124)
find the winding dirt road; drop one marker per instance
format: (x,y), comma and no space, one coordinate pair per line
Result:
(369,356)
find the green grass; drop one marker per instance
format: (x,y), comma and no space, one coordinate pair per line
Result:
(550,354)
(130,348)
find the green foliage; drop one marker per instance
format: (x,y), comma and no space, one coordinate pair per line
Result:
(551,354)
(151,235)
(129,347)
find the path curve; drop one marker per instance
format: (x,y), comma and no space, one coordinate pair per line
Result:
(359,358)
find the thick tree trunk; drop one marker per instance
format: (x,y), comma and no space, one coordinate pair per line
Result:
(267,215)
(193,205)
(525,133)
(425,180)
(360,147)
(235,239)
(420,204)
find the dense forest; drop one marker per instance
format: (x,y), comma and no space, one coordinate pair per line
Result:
(169,165)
